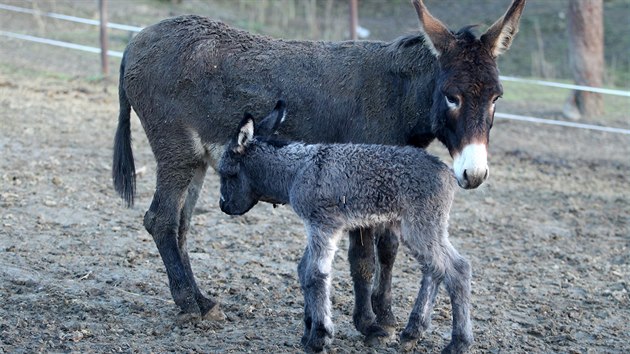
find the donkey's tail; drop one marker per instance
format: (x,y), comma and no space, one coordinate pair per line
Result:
(123,168)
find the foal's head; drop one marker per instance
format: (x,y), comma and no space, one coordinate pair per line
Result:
(237,193)
(467,87)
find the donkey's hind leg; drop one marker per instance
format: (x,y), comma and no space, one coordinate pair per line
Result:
(386,250)
(362,266)
(175,171)
(209,307)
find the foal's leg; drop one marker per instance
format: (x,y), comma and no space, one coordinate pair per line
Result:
(316,283)
(457,281)
(362,265)
(441,262)
(308,317)
(420,317)
(209,307)
(386,249)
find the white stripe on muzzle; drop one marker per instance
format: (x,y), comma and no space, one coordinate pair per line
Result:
(473,160)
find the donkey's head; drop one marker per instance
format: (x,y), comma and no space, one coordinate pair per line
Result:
(467,88)
(238,195)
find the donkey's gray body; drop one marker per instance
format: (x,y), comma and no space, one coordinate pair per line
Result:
(338,187)
(188,77)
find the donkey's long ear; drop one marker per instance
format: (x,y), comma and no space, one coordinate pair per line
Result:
(499,36)
(436,36)
(272,122)
(245,133)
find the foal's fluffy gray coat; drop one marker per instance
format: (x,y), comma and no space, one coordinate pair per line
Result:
(338,187)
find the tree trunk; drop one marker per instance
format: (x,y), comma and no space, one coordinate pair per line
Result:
(586,56)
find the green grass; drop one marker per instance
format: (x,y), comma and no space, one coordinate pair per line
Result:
(616,108)
(8,68)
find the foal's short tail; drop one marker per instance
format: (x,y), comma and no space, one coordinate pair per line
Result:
(123,168)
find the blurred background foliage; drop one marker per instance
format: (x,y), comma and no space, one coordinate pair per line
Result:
(540,49)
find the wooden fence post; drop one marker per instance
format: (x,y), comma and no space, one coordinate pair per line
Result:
(354,19)
(103,35)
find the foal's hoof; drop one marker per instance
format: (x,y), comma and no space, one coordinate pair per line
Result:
(318,340)
(407,342)
(458,344)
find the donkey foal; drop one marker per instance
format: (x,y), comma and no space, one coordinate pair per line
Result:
(338,187)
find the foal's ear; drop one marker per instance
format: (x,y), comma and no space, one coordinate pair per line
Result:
(245,133)
(272,122)
(436,36)
(499,36)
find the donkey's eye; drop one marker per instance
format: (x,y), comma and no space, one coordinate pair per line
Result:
(451,101)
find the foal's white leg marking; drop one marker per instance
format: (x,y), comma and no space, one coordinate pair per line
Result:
(474,160)
(324,265)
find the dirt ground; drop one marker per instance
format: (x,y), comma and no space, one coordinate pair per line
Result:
(548,236)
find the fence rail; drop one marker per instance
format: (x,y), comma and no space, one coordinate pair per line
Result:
(57,43)
(86,21)
(138,29)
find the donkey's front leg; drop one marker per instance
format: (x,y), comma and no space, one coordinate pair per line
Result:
(208,306)
(162,221)
(316,285)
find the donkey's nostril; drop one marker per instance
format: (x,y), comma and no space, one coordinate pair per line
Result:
(465,175)
(486,175)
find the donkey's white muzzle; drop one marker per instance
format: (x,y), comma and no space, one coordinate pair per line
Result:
(471,166)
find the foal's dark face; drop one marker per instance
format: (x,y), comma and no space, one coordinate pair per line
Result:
(237,184)
(237,195)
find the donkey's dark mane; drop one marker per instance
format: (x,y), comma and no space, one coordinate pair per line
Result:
(408,40)
(466,33)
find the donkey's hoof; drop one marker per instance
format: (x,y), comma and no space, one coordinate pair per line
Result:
(389,329)
(364,323)
(208,306)
(387,321)
(376,336)
(214,313)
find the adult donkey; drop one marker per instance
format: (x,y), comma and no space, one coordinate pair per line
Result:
(189,79)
